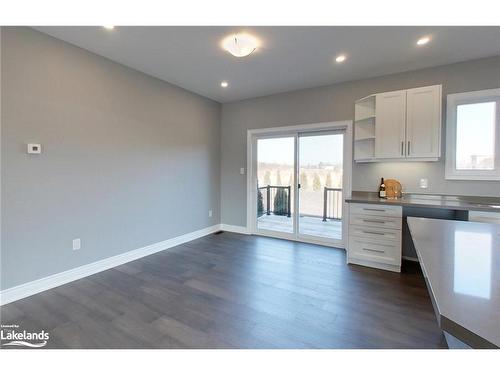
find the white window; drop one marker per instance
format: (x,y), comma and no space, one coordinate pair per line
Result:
(473,135)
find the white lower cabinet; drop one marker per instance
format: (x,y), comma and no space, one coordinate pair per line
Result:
(375,236)
(384,222)
(369,250)
(485,216)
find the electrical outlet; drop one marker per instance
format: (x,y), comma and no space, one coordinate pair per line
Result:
(77,244)
(242,170)
(34,148)
(210,213)
(424,183)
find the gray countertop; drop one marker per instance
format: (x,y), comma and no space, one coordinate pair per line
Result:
(461,263)
(452,202)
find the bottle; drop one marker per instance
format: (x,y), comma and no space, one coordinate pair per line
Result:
(381,189)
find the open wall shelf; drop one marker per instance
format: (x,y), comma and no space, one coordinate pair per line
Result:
(364,128)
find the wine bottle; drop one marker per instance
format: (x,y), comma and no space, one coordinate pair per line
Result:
(381,189)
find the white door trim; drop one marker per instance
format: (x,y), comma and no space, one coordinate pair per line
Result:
(290,130)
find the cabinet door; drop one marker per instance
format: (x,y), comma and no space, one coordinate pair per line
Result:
(423,122)
(390,114)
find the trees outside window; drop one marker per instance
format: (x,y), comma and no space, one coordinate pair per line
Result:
(267,178)
(281,202)
(316,182)
(304,183)
(260,204)
(278,178)
(329,180)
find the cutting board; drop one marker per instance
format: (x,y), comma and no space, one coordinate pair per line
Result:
(393,188)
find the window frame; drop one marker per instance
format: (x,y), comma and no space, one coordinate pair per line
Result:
(473,97)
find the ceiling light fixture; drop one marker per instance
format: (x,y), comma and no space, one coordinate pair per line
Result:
(109,27)
(340,58)
(240,45)
(424,40)
(224,84)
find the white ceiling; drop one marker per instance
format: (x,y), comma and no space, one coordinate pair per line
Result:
(290,58)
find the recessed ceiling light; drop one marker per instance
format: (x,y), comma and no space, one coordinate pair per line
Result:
(224,84)
(109,27)
(423,40)
(240,45)
(340,58)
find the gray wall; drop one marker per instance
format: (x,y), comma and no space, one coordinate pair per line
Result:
(334,103)
(128,160)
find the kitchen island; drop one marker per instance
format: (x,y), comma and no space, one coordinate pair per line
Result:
(461,265)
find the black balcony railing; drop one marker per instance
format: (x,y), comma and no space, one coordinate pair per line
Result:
(332,203)
(277,200)
(274,200)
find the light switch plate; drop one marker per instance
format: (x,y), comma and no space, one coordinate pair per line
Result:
(242,170)
(77,244)
(34,148)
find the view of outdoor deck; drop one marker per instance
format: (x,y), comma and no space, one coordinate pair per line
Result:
(318,204)
(309,225)
(322,218)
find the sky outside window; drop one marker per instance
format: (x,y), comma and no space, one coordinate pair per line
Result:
(313,150)
(476,136)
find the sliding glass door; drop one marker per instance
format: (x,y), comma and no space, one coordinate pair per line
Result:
(275,184)
(298,182)
(320,177)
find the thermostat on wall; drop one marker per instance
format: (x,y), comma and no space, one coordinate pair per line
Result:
(34,148)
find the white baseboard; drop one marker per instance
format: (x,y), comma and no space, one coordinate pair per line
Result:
(234,228)
(33,287)
(411,259)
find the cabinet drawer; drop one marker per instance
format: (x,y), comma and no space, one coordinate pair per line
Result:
(376,209)
(383,234)
(376,221)
(375,252)
(484,217)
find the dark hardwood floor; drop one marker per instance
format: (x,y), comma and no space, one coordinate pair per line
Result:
(234,291)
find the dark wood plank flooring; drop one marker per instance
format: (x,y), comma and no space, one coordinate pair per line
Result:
(235,291)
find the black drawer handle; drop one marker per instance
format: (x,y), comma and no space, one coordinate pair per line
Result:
(374,221)
(374,250)
(370,232)
(374,209)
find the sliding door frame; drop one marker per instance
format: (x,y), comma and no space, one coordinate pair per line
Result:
(295,131)
(308,237)
(253,171)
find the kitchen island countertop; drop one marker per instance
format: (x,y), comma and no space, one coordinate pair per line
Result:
(461,265)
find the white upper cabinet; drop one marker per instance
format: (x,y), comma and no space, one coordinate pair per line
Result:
(423,122)
(399,125)
(390,114)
